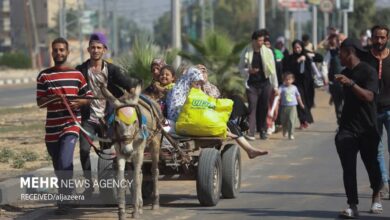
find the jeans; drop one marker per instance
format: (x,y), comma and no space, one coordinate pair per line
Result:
(85,147)
(258,107)
(61,153)
(383,120)
(348,145)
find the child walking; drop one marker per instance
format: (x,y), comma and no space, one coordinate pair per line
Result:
(290,98)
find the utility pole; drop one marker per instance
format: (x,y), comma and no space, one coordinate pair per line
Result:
(38,62)
(80,34)
(299,25)
(62,18)
(176,37)
(345,22)
(115,29)
(326,23)
(261,14)
(203,19)
(101,16)
(287,26)
(315,26)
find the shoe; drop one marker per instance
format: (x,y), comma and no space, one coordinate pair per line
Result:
(250,138)
(263,135)
(376,208)
(291,137)
(349,213)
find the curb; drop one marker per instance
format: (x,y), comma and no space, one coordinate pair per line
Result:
(23,80)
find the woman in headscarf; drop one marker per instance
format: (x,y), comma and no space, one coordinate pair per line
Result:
(178,95)
(154,89)
(300,64)
(197,77)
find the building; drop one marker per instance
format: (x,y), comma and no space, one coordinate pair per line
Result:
(5,26)
(19,23)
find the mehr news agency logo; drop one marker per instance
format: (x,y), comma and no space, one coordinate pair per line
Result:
(35,184)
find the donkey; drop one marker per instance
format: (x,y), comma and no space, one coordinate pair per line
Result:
(135,127)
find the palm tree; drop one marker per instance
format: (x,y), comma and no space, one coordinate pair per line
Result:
(221,56)
(144,50)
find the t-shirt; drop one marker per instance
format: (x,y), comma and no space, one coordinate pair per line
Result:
(61,81)
(257,79)
(288,95)
(359,116)
(383,71)
(97,106)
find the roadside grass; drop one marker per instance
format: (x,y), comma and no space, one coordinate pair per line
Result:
(35,126)
(21,138)
(13,110)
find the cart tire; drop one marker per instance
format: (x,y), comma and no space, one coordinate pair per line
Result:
(231,171)
(106,170)
(209,178)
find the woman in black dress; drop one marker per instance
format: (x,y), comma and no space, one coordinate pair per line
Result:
(300,64)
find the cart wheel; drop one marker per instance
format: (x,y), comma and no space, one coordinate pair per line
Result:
(106,171)
(209,178)
(231,171)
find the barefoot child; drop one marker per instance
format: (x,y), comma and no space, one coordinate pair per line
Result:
(290,98)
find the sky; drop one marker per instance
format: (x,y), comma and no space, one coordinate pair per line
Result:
(143,12)
(146,12)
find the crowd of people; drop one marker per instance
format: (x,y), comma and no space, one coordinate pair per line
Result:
(359,85)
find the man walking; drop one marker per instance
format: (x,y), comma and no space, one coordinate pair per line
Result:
(358,128)
(379,59)
(257,65)
(96,71)
(61,129)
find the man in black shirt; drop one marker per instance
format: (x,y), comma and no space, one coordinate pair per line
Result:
(257,64)
(358,126)
(379,58)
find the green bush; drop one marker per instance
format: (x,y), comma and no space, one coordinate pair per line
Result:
(18,162)
(6,154)
(47,157)
(28,155)
(15,60)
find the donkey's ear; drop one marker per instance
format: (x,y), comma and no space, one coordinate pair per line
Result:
(132,97)
(107,94)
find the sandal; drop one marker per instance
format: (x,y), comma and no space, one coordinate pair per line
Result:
(376,208)
(349,213)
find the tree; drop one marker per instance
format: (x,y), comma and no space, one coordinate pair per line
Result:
(162,30)
(362,17)
(238,18)
(144,50)
(221,56)
(382,16)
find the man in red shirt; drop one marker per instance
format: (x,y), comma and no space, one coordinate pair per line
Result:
(61,129)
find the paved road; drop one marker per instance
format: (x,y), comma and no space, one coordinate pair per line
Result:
(300,179)
(17,95)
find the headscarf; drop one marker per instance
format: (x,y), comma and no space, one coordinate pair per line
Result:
(178,95)
(159,62)
(303,52)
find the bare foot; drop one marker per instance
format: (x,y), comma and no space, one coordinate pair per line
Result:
(256,153)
